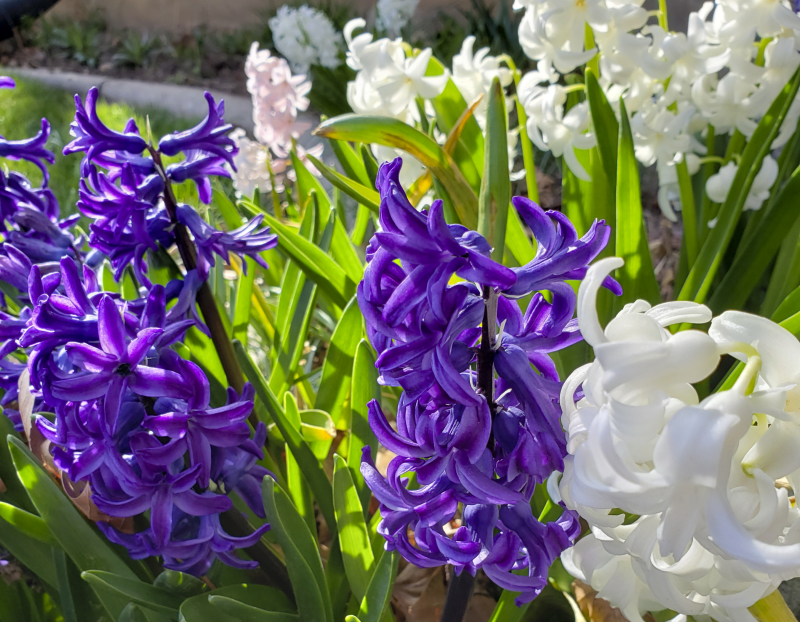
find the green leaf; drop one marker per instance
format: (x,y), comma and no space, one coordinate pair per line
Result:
(300,550)
(133,590)
(495,185)
(314,262)
(298,486)
(179,583)
(370,165)
(15,493)
(248,613)
(395,133)
(364,389)
(31,552)
(344,253)
(76,537)
(351,162)
(380,587)
(27,523)
(306,183)
(786,272)
(65,590)
(244,293)
(754,257)
(704,271)
(353,535)
(506,609)
(637,277)
(315,476)
(199,609)
(295,308)
(334,384)
(132,613)
(361,194)
(604,122)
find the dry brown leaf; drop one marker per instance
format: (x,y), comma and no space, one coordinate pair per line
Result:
(598,609)
(3,486)
(80,493)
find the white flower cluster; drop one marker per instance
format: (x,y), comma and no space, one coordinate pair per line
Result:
(687,500)
(277,96)
(305,37)
(394,15)
(725,72)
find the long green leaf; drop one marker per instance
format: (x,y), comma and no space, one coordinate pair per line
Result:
(351,162)
(495,185)
(756,254)
(14,489)
(31,552)
(66,591)
(298,486)
(395,133)
(315,476)
(199,609)
(507,610)
(308,579)
(344,253)
(363,195)
(79,541)
(637,276)
(364,389)
(338,366)
(27,523)
(306,184)
(702,274)
(604,123)
(248,613)
(353,535)
(244,293)
(136,591)
(380,587)
(317,265)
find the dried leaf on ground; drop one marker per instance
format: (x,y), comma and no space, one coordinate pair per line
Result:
(598,609)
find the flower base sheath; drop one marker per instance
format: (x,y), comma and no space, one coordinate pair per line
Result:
(470,446)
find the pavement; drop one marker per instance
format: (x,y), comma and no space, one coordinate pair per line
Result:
(183,101)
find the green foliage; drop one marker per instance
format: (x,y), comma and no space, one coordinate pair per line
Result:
(138,49)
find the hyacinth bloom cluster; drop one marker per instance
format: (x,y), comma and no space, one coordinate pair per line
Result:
(31,232)
(305,36)
(476,445)
(126,190)
(723,72)
(707,527)
(130,419)
(277,96)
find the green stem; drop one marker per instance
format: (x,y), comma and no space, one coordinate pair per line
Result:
(688,211)
(663,21)
(772,608)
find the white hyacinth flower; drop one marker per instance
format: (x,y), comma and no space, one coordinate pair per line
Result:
(305,37)
(681,494)
(388,82)
(393,15)
(718,185)
(552,129)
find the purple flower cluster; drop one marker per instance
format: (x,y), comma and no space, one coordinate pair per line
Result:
(468,455)
(134,420)
(126,189)
(123,411)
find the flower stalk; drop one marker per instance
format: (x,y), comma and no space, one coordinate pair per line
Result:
(205,298)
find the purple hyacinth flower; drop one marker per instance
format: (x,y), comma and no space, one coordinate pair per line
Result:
(199,166)
(209,136)
(245,240)
(30,149)
(93,137)
(560,254)
(195,425)
(116,366)
(235,469)
(16,191)
(7,82)
(160,495)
